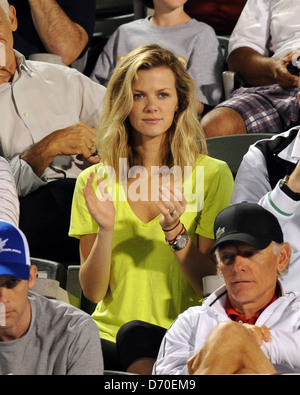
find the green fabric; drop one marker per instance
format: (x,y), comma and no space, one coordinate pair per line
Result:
(146,281)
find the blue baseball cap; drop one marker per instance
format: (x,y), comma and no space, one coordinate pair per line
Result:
(14,252)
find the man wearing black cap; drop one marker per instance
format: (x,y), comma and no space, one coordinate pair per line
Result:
(39,336)
(270,175)
(248,325)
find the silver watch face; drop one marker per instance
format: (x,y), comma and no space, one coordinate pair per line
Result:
(181,241)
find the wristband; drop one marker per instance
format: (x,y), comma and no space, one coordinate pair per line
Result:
(178,234)
(169,230)
(287,190)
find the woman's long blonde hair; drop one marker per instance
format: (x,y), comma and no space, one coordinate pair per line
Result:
(185,139)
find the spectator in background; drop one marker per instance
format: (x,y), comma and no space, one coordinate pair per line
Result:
(47,117)
(9,202)
(249,325)
(193,42)
(132,263)
(262,47)
(60,27)
(39,336)
(221,15)
(270,175)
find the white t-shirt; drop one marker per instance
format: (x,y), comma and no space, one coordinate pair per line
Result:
(271,27)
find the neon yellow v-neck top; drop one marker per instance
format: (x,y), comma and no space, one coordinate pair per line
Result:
(146,281)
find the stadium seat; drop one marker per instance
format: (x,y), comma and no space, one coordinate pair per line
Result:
(232,148)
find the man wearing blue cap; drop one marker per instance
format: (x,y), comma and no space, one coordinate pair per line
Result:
(248,325)
(39,336)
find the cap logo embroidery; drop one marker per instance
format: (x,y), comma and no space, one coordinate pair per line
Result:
(2,244)
(2,249)
(219,232)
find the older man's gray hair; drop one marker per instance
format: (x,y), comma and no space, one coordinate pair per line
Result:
(5,5)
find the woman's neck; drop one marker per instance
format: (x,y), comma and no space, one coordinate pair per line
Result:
(150,149)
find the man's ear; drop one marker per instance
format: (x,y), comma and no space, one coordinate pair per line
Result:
(32,276)
(283,257)
(13,18)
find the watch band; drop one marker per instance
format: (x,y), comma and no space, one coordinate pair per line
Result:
(285,188)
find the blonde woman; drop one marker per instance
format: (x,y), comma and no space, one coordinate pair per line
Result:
(144,244)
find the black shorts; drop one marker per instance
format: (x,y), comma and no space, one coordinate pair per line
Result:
(137,340)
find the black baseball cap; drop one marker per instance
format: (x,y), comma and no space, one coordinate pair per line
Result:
(248,223)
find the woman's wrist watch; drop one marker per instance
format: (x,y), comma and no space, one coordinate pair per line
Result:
(181,241)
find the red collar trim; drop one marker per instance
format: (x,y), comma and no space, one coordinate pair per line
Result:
(235,316)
